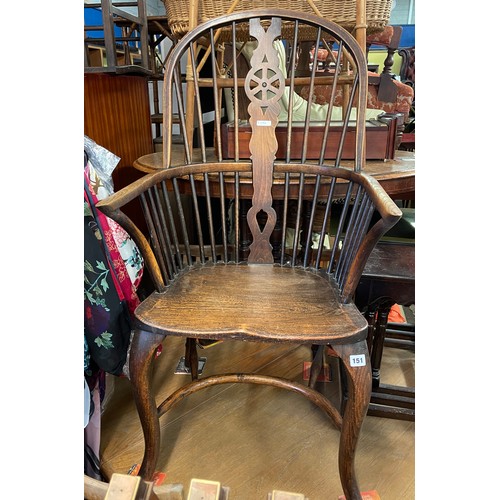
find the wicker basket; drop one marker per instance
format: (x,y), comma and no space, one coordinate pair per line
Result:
(342,12)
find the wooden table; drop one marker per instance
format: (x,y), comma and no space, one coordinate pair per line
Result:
(388,279)
(396,176)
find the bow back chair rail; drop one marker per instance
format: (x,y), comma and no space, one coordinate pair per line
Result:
(251,261)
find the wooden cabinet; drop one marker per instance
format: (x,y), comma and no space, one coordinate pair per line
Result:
(117,117)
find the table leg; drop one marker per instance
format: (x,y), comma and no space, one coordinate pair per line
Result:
(388,401)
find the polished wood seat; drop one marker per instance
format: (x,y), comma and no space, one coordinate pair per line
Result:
(231,269)
(268,304)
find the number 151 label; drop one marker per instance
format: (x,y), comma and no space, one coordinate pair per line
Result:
(357,360)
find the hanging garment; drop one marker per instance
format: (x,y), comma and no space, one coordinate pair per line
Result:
(113,269)
(107,318)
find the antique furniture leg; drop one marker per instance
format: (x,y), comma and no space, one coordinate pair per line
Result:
(388,279)
(355,360)
(142,353)
(387,400)
(191,357)
(317,363)
(370,317)
(343,375)
(378,340)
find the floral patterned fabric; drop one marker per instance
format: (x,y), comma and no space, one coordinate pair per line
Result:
(107,321)
(127,260)
(113,268)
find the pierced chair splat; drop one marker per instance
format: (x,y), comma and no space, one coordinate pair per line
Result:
(254,260)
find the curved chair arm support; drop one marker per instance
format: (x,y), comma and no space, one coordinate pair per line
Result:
(390,214)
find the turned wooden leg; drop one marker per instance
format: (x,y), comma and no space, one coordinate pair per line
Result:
(317,364)
(191,357)
(370,317)
(356,361)
(378,341)
(142,353)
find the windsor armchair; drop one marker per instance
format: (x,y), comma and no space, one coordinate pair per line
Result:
(251,263)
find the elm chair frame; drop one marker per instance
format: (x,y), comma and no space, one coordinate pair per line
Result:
(239,260)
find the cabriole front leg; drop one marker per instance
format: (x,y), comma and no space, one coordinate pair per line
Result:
(356,361)
(142,353)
